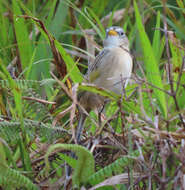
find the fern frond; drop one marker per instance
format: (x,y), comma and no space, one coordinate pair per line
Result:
(21,84)
(9,130)
(84,166)
(114,168)
(15,178)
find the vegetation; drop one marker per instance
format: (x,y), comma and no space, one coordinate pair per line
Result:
(45,47)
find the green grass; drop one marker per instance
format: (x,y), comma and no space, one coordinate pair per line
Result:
(142,135)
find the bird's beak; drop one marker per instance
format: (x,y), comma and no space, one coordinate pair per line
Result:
(112,33)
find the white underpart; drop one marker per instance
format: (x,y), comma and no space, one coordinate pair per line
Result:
(112,41)
(115,69)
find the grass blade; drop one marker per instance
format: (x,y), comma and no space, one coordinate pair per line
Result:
(72,69)
(22,37)
(151,65)
(156,38)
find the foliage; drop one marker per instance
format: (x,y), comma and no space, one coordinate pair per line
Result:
(84,166)
(45,47)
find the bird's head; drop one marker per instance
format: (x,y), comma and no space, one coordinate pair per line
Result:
(115,37)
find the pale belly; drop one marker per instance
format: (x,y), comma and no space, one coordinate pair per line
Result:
(115,72)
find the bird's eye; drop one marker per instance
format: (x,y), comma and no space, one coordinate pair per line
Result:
(121,33)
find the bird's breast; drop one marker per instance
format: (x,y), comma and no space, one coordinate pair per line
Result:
(115,70)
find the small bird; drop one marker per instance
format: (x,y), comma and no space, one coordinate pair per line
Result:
(111,70)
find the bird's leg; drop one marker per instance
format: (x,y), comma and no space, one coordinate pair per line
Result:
(80,127)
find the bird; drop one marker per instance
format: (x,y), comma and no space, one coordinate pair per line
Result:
(110,70)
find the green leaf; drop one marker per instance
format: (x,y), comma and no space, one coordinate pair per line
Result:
(29,68)
(86,18)
(51,12)
(72,68)
(156,39)
(177,59)
(40,52)
(113,168)
(151,64)
(90,13)
(98,90)
(22,37)
(4,74)
(2,153)
(4,25)
(16,178)
(128,106)
(56,26)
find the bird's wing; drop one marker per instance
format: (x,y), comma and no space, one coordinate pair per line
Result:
(98,60)
(93,70)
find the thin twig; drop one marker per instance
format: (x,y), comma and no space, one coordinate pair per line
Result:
(169,32)
(72,114)
(147,85)
(69,94)
(150,84)
(38,100)
(180,74)
(142,107)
